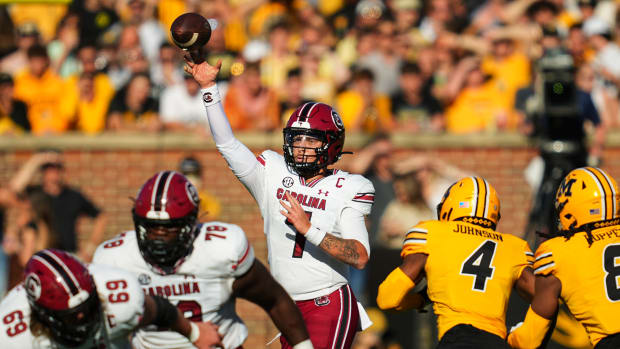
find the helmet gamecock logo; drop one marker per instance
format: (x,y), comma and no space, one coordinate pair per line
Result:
(192,194)
(287,182)
(337,120)
(32,284)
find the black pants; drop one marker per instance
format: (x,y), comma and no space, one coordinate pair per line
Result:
(468,337)
(609,342)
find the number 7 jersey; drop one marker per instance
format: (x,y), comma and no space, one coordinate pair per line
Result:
(589,276)
(470,271)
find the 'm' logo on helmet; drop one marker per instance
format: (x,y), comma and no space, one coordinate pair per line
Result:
(32,284)
(586,195)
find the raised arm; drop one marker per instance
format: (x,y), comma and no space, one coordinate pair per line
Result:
(259,287)
(160,312)
(240,159)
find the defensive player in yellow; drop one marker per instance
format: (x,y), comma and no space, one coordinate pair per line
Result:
(470,268)
(582,265)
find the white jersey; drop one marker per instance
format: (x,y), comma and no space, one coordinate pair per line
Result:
(123,307)
(201,286)
(336,204)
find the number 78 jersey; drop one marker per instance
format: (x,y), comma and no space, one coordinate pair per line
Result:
(470,272)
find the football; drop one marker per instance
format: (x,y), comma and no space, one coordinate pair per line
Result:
(190,31)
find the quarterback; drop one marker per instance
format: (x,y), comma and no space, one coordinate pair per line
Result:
(313,215)
(470,268)
(201,268)
(580,265)
(65,304)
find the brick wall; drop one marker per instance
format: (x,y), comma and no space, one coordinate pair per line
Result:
(113,173)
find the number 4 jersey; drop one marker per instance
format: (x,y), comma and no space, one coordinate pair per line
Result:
(201,287)
(470,272)
(123,307)
(589,276)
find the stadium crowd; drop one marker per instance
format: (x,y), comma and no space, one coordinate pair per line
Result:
(409,65)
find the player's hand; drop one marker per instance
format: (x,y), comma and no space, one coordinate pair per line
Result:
(209,337)
(203,73)
(295,214)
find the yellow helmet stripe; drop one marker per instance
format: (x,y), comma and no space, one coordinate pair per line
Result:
(474,208)
(601,188)
(610,201)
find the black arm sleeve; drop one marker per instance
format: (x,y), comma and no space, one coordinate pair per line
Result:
(166,313)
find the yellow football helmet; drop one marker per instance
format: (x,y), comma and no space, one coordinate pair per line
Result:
(586,195)
(473,200)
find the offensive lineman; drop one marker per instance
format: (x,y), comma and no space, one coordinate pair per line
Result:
(313,216)
(201,268)
(64,304)
(470,268)
(580,265)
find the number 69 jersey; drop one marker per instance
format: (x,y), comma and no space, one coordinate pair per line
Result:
(201,286)
(589,276)
(470,271)
(122,302)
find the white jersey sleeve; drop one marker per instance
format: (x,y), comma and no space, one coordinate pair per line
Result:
(122,300)
(240,159)
(201,286)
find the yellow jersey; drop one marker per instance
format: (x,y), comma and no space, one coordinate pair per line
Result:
(589,276)
(470,271)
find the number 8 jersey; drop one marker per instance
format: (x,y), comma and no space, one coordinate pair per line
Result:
(470,271)
(589,276)
(123,307)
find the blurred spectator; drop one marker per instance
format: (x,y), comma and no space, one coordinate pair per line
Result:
(477,106)
(44,14)
(316,85)
(210,206)
(88,93)
(96,18)
(181,107)
(406,210)
(27,35)
(606,67)
(13,112)
(217,50)
(437,17)
(414,108)
(42,90)
(249,104)
(133,108)
(383,60)
(62,49)
(578,46)
(28,233)
(126,58)
(8,199)
(275,65)
(292,97)
(150,31)
(166,71)
(68,204)
(363,109)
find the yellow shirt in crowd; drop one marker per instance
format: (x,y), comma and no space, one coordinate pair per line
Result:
(48,109)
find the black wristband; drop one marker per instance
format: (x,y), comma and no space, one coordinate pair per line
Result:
(166,314)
